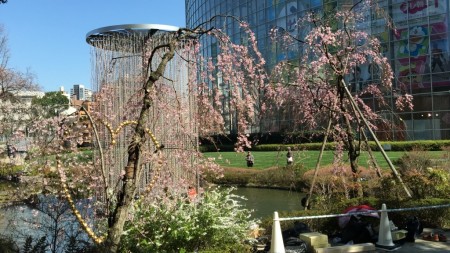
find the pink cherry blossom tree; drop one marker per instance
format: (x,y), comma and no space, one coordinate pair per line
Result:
(147,174)
(242,70)
(317,85)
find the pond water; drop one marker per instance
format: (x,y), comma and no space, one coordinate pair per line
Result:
(18,221)
(48,216)
(265,202)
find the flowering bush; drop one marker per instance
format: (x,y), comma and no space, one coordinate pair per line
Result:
(336,182)
(214,221)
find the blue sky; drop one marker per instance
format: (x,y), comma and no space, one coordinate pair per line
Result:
(48,36)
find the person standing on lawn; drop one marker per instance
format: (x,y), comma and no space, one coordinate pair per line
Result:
(290,158)
(250,159)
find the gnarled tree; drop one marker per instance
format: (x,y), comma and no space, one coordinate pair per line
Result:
(335,45)
(153,106)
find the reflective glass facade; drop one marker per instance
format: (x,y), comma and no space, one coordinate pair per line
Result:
(419,51)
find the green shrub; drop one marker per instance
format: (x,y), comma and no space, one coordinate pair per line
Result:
(419,176)
(336,184)
(282,177)
(8,169)
(287,177)
(426,145)
(433,218)
(417,160)
(237,177)
(217,223)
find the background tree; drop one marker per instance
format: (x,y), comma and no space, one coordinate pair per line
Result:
(13,113)
(11,81)
(51,104)
(335,45)
(39,247)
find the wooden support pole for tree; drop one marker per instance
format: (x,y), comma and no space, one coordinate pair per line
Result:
(319,159)
(391,166)
(372,157)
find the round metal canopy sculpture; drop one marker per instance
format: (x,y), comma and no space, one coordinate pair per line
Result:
(120,68)
(122,34)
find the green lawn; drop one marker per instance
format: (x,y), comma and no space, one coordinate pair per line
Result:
(267,159)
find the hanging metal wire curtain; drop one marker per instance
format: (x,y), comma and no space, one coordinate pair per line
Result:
(120,69)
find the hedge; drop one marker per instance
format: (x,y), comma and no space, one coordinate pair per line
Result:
(425,145)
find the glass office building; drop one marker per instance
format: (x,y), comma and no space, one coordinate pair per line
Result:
(419,51)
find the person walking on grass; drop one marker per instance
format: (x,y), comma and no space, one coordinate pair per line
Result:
(250,159)
(290,158)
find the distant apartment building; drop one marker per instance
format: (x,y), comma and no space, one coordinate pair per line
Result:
(62,90)
(79,92)
(15,113)
(25,97)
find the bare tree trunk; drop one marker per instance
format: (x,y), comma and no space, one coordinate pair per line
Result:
(353,152)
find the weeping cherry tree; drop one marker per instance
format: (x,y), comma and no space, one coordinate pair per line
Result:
(332,47)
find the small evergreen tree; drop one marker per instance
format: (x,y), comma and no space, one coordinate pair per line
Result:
(50,105)
(39,247)
(27,246)
(72,247)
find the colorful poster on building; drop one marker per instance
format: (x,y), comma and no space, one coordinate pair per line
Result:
(420,32)
(412,42)
(412,9)
(411,53)
(423,8)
